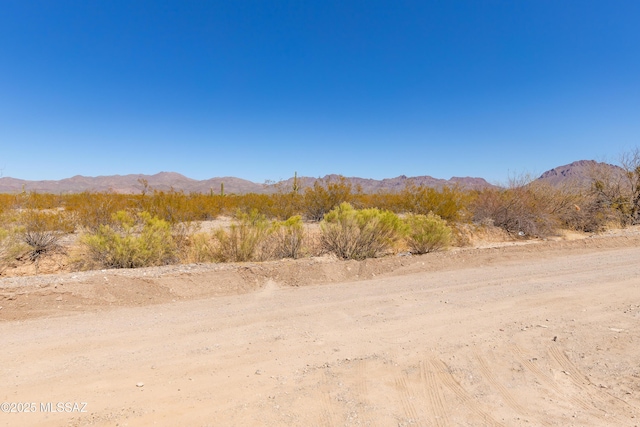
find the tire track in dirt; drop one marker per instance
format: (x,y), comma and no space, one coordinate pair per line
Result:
(327,411)
(406,400)
(545,379)
(504,393)
(444,376)
(362,390)
(590,404)
(583,383)
(433,394)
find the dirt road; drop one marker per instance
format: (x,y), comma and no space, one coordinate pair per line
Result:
(543,335)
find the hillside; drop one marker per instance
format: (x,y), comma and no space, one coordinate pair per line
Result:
(578,173)
(165,181)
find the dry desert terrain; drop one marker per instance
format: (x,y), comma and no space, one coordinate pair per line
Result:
(540,334)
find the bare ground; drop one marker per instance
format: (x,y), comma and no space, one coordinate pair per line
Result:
(544,334)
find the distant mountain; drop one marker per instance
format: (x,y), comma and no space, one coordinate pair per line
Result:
(580,173)
(165,181)
(395,184)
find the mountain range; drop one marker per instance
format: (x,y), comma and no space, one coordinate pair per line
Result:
(164,181)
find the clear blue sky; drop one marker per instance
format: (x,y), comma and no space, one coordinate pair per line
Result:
(260,89)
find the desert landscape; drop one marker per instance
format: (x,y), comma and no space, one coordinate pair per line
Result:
(319,303)
(522,333)
(342,213)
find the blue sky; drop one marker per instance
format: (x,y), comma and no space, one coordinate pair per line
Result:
(260,89)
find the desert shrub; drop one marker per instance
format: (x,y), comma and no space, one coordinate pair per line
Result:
(41,244)
(37,201)
(426,233)
(382,200)
(34,220)
(512,210)
(630,162)
(250,237)
(170,206)
(199,247)
(567,204)
(41,232)
(91,210)
(134,241)
(6,202)
(616,190)
(206,206)
(288,238)
(359,234)
(176,206)
(538,209)
(244,240)
(11,247)
(591,213)
(182,234)
(525,208)
(248,203)
(325,195)
(449,203)
(5,249)
(285,205)
(95,209)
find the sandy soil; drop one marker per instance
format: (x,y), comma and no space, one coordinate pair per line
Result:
(544,334)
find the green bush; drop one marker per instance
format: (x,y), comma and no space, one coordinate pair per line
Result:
(359,234)
(244,240)
(134,241)
(427,233)
(289,236)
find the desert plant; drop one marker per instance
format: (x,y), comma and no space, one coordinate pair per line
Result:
(91,210)
(41,244)
(630,162)
(244,238)
(6,201)
(295,187)
(134,241)
(325,195)
(288,237)
(513,210)
(285,202)
(200,247)
(618,188)
(359,234)
(42,231)
(426,233)
(526,207)
(186,244)
(46,220)
(5,249)
(37,201)
(11,247)
(449,203)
